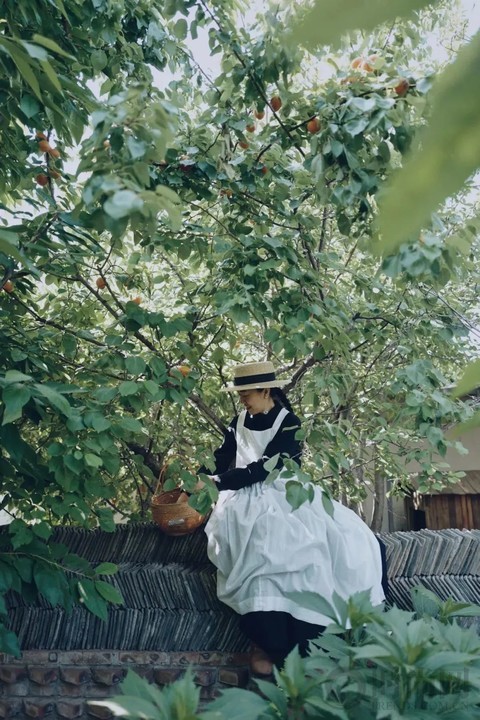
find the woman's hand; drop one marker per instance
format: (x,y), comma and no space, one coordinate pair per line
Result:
(201,484)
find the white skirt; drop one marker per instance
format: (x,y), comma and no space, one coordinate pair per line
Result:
(263,549)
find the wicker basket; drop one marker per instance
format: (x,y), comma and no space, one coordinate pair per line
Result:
(171,511)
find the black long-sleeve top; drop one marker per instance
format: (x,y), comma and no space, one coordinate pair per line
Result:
(284,442)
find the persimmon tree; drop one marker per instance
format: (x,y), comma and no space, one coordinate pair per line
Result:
(155,231)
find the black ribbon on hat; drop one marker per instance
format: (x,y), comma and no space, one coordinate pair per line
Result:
(252,379)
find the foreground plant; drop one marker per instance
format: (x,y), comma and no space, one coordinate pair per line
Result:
(419,665)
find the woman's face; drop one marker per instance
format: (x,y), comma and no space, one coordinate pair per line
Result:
(254,401)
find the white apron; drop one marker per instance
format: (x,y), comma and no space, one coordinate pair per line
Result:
(264,549)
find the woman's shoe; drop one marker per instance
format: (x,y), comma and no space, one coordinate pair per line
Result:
(260,663)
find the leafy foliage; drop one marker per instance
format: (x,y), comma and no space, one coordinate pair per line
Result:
(369,664)
(159,225)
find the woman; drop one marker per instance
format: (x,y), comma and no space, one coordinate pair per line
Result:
(262,548)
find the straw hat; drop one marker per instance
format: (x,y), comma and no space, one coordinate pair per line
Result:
(253,376)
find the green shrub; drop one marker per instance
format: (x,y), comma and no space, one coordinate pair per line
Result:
(420,665)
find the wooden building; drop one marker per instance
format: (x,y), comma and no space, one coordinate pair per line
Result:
(457,506)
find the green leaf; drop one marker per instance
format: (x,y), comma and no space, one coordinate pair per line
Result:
(14,376)
(122,203)
(326,22)
(130,424)
(8,245)
(99,59)
(296,493)
(106,568)
(236,704)
(271,463)
(21,61)
(470,380)
(9,642)
(52,75)
(135,365)
(106,519)
(180,29)
(312,601)
(14,397)
(444,156)
(92,600)
(129,387)
(54,398)
(109,592)
(51,583)
(6,577)
(50,45)
(93,460)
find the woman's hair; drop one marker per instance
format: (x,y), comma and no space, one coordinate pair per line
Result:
(278,396)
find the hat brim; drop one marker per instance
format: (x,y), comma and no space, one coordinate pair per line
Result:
(255,386)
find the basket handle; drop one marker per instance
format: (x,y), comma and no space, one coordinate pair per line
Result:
(161,478)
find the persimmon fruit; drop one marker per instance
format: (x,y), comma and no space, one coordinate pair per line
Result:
(276,103)
(313,125)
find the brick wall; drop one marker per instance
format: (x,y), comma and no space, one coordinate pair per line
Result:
(57,685)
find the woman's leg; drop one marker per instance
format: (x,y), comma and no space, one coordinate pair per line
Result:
(300,633)
(269,631)
(277,633)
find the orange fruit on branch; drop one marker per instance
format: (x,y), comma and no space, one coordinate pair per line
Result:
(313,125)
(8,286)
(100,283)
(41,179)
(402,86)
(276,103)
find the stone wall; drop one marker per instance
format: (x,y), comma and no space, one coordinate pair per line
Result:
(59,685)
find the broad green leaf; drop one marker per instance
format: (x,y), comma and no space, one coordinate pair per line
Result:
(271,463)
(50,45)
(106,568)
(52,75)
(15,376)
(296,493)
(135,365)
(130,424)
(93,460)
(14,397)
(129,387)
(236,704)
(325,22)
(106,519)
(109,592)
(92,599)
(9,642)
(122,203)
(21,61)
(54,398)
(444,156)
(9,245)
(51,583)
(315,602)
(180,29)
(6,577)
(469,381)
